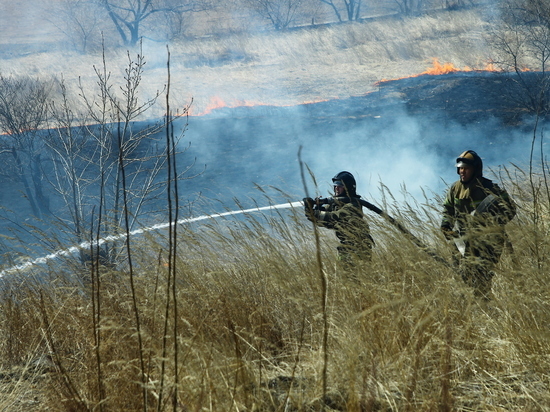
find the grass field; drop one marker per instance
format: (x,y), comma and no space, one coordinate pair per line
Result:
(252,331)
(244,318)
(279,68)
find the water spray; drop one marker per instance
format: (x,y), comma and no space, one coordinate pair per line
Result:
(86,245)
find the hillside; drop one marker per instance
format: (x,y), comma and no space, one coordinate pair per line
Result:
(257,97)
(253,311)
(307,65)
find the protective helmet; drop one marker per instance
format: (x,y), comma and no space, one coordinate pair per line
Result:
(472,159)
(346,180)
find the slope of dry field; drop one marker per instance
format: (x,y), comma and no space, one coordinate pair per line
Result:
(243,317)
(286,68)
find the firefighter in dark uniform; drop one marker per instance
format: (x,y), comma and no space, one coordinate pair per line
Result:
(344,214)
(475,212)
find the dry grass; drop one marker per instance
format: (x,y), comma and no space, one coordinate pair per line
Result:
(287,68)
(405,334)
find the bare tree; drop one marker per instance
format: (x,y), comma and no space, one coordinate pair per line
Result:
(23,112)
(410,7)
(73,171)
(280,13)
(119,142)
(105,161)
(522,41)
(82,22)
(352,8)
(129,16)
(175,25)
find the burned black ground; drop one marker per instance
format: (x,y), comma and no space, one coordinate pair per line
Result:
(235,150)
(251,144)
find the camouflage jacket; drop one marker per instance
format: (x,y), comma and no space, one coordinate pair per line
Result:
(345,216)
(463,201)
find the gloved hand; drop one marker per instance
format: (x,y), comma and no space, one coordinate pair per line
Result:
(308,206)
(449,233)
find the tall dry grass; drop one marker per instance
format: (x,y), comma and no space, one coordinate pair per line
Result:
(404,332)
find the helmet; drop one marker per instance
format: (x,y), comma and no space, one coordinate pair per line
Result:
(471,159)
(346,180)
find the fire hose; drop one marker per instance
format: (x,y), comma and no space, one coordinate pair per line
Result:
(86,245)
(308,202)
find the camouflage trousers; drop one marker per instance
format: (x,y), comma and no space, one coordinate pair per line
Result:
(352,262)
(477,275)
(477,264)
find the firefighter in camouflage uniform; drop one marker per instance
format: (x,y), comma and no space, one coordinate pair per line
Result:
(344,214)
(475,212)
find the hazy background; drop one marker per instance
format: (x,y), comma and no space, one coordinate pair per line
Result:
(230,57)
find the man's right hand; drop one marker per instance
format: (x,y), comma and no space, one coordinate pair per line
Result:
(308,206)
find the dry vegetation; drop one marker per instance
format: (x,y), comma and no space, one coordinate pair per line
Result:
(283,68)
(403,334)
(244,326)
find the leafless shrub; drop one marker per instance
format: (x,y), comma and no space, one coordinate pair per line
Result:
(280,13)
(352,8)
(522,42)
(23,112)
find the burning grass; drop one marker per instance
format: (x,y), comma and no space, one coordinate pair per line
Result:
(245,324)
(287,68)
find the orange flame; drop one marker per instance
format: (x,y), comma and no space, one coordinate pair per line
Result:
(437,68)
(446,68)
(217,102)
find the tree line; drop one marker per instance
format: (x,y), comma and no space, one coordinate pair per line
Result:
(84,22)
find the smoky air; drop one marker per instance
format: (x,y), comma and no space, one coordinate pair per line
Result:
(386,143)
(401,150)
(258,96)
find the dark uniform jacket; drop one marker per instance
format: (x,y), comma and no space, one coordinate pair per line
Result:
(479,220)
(345,216)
